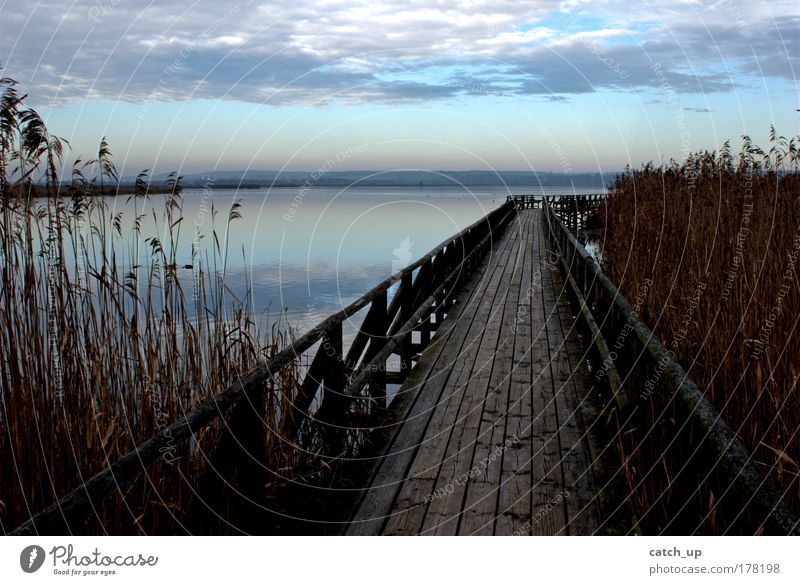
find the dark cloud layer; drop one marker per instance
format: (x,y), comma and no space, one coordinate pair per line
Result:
(307,52)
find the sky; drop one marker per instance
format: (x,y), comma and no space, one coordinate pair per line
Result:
(507,85)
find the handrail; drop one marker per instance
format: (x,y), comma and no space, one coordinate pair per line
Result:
(729,456)
(432,291)
(572,208)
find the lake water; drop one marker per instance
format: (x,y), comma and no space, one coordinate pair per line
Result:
(311,253)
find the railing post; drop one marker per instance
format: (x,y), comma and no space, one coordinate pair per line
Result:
(406,310)
(458,253)
(334,407)
(425,327)
(233,485)
(469,244)
(441,269)
(379,332)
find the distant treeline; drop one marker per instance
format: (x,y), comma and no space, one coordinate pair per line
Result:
(259,179)
(89,190)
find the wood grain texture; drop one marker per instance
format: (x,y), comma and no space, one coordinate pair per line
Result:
(499,440)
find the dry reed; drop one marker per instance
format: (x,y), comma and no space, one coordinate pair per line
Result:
(719,238)
(103,346)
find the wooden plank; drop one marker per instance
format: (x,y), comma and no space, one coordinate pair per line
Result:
(584,509)
(547,490)
(502,379)
(481,500)
(514,503)
(416,492)
(581,515)
(443,512)
(428,381)
(604,507)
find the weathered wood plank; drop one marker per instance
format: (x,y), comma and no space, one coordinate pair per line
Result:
(547,489)
(500,444)
(420,486)
(481,500)
(580,505)
(514,503)
(609,505)
(428,381)
(444,512)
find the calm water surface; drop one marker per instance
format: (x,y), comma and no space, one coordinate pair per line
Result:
(310,253)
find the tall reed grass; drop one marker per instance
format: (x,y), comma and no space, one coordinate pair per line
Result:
(111,329)
(709,248)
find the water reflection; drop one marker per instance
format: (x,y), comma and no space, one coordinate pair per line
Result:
(310,253)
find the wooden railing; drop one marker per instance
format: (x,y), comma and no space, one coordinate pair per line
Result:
(339,380)
(525,201)
(573,210)
(689,469)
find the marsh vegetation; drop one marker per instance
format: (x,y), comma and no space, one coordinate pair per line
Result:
(713,242)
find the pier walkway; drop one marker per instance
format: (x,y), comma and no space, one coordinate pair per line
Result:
(479,395)
(500,437)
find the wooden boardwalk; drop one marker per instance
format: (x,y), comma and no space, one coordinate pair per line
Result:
(501,438)
(497,427)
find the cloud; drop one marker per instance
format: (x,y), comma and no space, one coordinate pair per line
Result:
(367,52)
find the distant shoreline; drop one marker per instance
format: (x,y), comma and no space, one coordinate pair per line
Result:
(402,178)
(39,191)
(398,186)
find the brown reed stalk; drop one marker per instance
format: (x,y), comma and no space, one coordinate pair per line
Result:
(719,238)
(102,346)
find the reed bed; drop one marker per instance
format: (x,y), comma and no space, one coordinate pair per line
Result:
(709,248)
(111,329)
